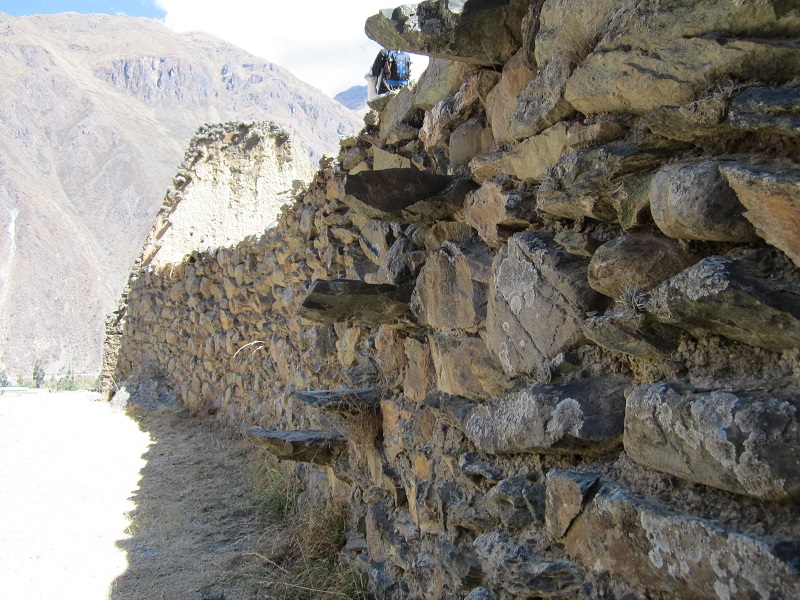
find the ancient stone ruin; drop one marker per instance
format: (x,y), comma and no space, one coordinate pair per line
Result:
(538,323)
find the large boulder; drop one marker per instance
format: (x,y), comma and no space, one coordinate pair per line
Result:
(730,296)
(581,417)
(482,32)
(742,442)
(538,302)
(771,197)
(693,201)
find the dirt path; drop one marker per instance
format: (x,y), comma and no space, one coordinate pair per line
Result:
(95,504)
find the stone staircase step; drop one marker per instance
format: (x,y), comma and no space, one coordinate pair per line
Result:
(321,447)
(340,300)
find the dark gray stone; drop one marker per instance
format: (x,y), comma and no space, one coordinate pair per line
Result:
(767,109)
(380,193)
(342,400)
(472,31)
(585,416)
(516,501)
(340,300)
(538,302)
(471,464)
(311,446)
(732,297)
(462,567)
(679,555)
(394,268)
(693,201)
(520,570)
(742,442)
(632,333)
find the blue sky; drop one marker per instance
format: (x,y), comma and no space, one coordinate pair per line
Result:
(321,42)
(134,8)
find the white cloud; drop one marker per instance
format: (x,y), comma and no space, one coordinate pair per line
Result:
(321,42)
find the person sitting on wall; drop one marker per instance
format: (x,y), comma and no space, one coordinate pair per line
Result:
(392,69)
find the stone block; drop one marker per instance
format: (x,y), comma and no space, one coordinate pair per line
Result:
(394,267)
(497,213)
(566,494)
(742,442)
(441,79)
(730,296)
(468,141)
(383,160)
(516,502)
(452,289)
(340,300)
(767,110)
(581,417)
(474,31)
(486,166)
(538,302)
(312,446)
(376,193)
(640,260)
(375,239)
(676,554)
(693,201)
(342,400)
(447,231)
(771,197)
(400,120)
(518,568)
(502,99)
(419,378)
(584,183)
(465,367)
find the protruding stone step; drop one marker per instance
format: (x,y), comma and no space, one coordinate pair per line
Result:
(742,442)
(581,417)
(730,296)
(342,400)
(379,194)
(321,447)
(339,300)
(681,555)
(471,31)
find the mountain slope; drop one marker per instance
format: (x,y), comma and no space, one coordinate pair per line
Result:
(95,113)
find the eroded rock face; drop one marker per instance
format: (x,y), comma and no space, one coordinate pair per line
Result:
(582,417)
(674,553)
(742,442)
(539,300)
(475,31)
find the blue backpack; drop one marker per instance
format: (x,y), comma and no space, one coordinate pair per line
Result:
(398,66)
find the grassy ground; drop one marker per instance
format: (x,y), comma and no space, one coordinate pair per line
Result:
(153,504)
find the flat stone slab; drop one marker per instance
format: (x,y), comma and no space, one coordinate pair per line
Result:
(681,555)
(378,193)
(340,300)
(472,31)
(730,296)
(742,442)
(321,447)
(342,400)
(769,109)
(585,416)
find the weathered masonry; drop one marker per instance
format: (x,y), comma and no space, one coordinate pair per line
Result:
(538,323)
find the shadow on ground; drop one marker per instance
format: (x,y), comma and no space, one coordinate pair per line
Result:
(196,528)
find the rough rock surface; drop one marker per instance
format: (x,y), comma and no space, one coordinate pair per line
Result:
(509,366)
(318,447)
(340,300)
(742,442)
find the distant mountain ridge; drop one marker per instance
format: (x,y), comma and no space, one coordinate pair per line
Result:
(354,98)
(95,114)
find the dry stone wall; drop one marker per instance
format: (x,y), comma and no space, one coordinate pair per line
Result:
(539,321)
